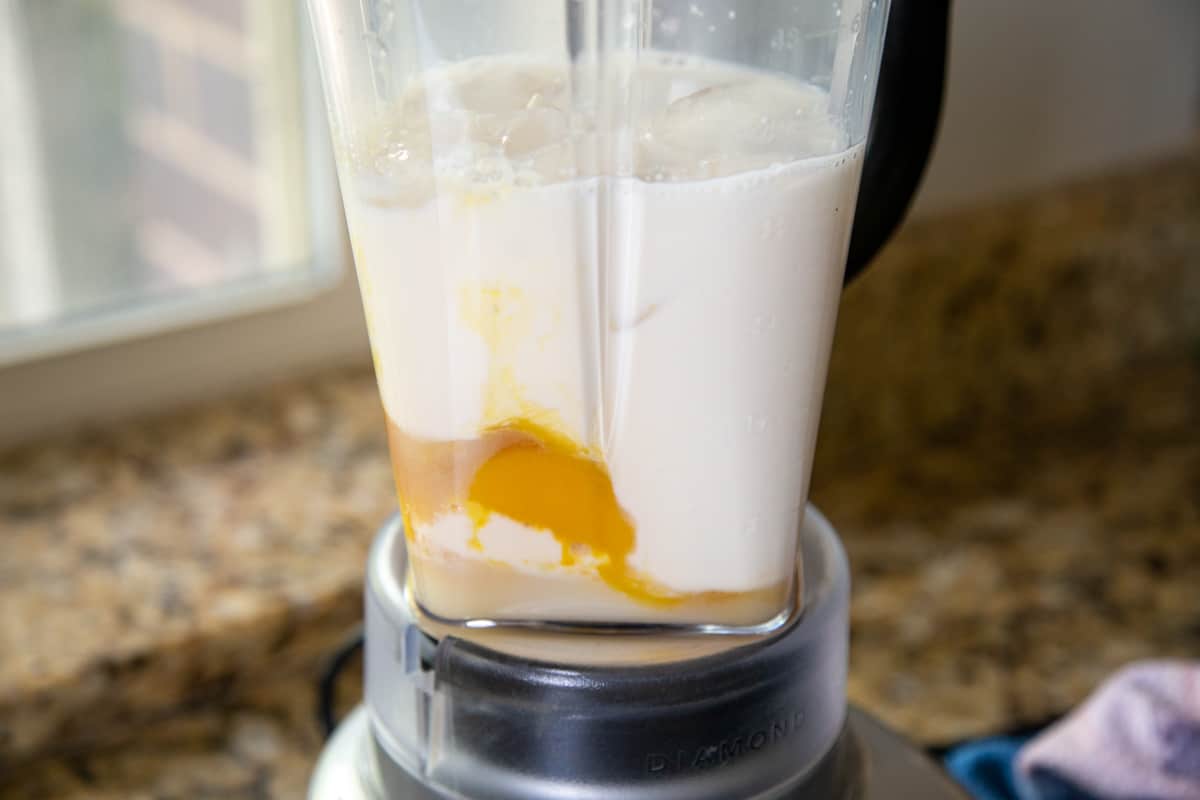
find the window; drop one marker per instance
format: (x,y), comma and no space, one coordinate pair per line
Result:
(162,162)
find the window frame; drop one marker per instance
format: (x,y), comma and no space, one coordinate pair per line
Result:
(323,272)
(93,370)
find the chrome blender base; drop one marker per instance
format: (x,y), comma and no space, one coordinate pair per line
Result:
(877,764)
(714,718)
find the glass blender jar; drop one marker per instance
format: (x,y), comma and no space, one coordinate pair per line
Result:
(601,246)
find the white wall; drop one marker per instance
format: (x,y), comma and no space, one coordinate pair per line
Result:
(1041,90)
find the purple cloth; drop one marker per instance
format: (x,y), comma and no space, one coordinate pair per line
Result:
(1136,738)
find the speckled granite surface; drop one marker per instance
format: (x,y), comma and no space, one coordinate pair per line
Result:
(173,563)
(1011,449)
(208,753)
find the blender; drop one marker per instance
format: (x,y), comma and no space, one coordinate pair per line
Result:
(600,245)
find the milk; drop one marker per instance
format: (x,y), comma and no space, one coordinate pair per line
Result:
(654,282)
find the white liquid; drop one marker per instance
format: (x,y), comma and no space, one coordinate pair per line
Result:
(664,294)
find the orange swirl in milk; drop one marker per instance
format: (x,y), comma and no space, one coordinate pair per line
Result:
(521,465)
(548,483)
(534,476)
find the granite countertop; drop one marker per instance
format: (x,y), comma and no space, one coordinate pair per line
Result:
(1010,449)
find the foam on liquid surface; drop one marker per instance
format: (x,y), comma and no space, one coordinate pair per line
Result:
(507,121)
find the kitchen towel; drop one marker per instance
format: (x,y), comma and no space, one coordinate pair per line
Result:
(1136,738)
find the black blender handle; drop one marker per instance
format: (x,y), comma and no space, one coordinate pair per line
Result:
(908,106)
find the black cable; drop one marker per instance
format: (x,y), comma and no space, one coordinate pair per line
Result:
(327,685)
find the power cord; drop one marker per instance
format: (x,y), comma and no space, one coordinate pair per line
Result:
(327,685)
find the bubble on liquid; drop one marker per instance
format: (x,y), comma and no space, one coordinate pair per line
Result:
(772,228)
(695,10)
(732,14)
(404,152)
(491,170)
(756,423)
(528,178)
(397,151)
(397,177)
(764,323)
(786,39)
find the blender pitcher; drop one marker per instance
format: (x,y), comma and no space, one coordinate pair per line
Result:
(601,245)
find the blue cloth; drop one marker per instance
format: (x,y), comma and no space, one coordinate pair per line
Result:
(985,767)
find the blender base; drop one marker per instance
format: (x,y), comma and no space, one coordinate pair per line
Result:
(761,717)
(876,763)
